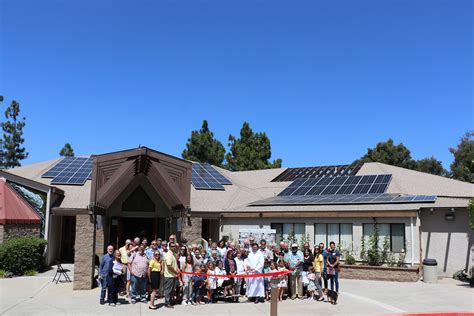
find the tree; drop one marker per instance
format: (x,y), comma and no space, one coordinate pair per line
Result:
(431,165)
(67,151)
(462,167)
(13,139)
(203,147)
(250,152)
(388,153)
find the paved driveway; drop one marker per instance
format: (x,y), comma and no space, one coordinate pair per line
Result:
(37,295)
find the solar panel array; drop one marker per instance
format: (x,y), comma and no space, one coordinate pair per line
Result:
(291,174)
(373,184)
(382,198)
(70,170)
(206,177)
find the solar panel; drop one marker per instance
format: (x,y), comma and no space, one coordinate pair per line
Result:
(291,174)
(381,198)
(216,174)
(58,168)
(70,170)
(202,179)
(370,184)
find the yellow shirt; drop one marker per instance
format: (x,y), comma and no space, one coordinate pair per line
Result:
(155,265)
(123,255)
(170,261)
(318,263)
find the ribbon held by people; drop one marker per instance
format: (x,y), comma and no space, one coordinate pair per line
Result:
(248,275)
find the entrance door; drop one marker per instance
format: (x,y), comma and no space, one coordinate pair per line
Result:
(124,228)
(68,237)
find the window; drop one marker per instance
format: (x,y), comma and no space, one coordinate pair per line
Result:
(394,232)
(284,230)
(341,234)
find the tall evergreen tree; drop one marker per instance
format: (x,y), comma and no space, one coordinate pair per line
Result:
(251,151)
(462,167)
(13,139)
(67,151)
(388,153)
(203,147)
(431,165)
(2,166)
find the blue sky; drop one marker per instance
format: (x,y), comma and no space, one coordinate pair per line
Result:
(324,79)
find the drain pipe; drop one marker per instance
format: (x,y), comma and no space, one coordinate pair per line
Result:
(412,242)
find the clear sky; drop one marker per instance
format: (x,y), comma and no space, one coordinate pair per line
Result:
(324,79)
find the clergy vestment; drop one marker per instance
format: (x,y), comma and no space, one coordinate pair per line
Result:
(255,286)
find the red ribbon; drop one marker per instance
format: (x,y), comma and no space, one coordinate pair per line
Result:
(230,276)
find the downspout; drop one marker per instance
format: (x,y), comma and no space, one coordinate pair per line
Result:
(412,242)
(46,226)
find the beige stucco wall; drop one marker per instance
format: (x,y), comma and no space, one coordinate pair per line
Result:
(449,242)
(54,239)
(231,227)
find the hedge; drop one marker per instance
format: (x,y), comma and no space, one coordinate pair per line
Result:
(21,254)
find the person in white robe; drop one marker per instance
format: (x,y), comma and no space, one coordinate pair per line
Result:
(253,265)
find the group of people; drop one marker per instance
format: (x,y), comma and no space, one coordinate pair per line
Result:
(201,274)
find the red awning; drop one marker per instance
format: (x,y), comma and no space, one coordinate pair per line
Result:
(14,209)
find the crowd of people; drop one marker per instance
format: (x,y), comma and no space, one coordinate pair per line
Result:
(188,274)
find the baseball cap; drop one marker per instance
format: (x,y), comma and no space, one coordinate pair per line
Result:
(294,246)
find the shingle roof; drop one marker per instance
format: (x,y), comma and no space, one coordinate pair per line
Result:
(250,186)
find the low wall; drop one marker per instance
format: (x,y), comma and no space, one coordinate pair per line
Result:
(9,231)
(362,272)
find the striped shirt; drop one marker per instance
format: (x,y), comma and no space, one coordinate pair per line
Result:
(138,265)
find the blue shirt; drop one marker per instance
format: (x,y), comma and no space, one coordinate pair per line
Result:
(325,256)
(106,265)
(293,259)
(149,252)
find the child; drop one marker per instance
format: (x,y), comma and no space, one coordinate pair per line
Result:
(198,285)
(186,279)
(283,284)
(273,268)
(211,282)
(266,280)
(239,261)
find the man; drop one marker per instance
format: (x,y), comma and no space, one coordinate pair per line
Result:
(197,260)
(138,265)
(267,254)
(214,256)
(171,273)
(150,252)
(124,252)
(325,258)
(333,265)
(105,273)
(145,243)
(253,265)
(294,259)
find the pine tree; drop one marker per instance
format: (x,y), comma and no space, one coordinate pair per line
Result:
(251,151)
(67,151)
(463,166)
(13,139)
(203,147)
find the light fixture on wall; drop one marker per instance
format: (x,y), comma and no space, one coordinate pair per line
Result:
(449,216)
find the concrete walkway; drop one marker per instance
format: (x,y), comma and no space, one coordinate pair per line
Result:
(38,296)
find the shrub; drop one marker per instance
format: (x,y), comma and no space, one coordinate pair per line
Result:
(18,255)
(350,260)
(374,257)
(2,274)
(401,260)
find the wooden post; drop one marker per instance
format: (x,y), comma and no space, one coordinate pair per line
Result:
(274,296)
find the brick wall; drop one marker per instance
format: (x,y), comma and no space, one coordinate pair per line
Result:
(192,230)
(9,231)
(411,274)
(84,253)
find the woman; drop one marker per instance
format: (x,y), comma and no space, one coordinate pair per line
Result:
(188,266)
(231,269)
(182,256)
(239,262)
(211,283)
(221,248)
(116,280)
(154,276)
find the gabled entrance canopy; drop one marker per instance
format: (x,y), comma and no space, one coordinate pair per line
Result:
(113,172)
